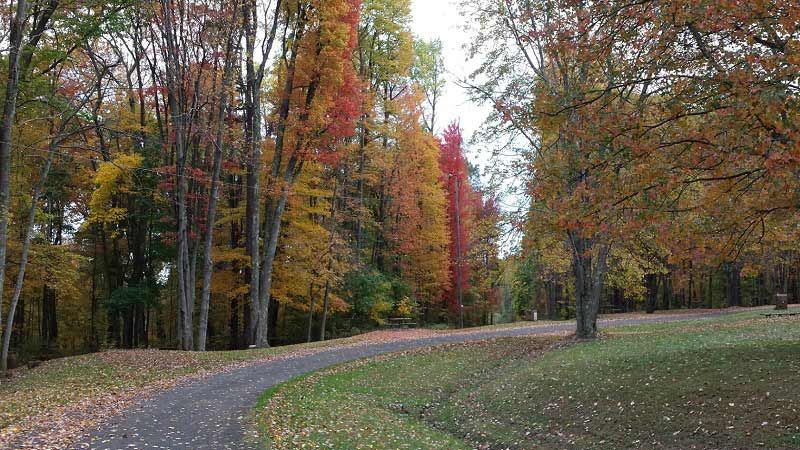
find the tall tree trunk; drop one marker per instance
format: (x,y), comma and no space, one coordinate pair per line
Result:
(93,341)
(23,262)
(255,76)
(181,115)
(253,143)
(208,263)
(311,299)
(690,298)
(271,235)
(325,304)
(49,324)
(552,301)
(185,298)
(234,242)
(331,240)
(733,284)
(274,208)
(6,123)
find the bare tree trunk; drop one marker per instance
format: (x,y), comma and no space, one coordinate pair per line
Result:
(273,210)
(733,284)
(178,113)
(459,275)
(37,190)
(255,76)
(9,110)
(272,232)
(311,299)
(325,301)
(208,263)
(253,143)
(690,299)
(185,297)
(331,237)
(666,300)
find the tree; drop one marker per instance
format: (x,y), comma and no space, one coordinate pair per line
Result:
(254,77)
(417,225)
(316,65)
(62,100)
(9,110)
(453,166)
(428,71)
(537,86)
(230,30)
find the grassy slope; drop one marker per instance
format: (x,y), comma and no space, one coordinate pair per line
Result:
(56,401)
(107,376)
(727,383)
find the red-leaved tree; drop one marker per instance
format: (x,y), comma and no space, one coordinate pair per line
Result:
(456,183)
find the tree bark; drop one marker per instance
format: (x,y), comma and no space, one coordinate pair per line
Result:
(551,295)
(178,117)
(254,78)
(733,285)
(311,299)
(589,271)
(666,301)
(37,190)
(208,245)
(325,301)
(331,240)
(271,234)
(274,208)
(9,110)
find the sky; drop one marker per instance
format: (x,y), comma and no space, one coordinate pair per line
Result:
(440,19)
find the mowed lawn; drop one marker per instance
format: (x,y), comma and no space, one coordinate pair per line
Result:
(727,383)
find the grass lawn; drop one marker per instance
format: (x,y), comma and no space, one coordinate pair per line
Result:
(732,382)
(54,402)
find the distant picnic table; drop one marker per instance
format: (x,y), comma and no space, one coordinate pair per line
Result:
(781,307)
(400,322)
(780,314)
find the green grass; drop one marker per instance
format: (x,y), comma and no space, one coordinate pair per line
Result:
(727,383)
(110,379)
(376,403)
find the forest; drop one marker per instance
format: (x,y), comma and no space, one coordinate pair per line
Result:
(213,174)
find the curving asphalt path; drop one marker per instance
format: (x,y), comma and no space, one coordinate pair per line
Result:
(210,413)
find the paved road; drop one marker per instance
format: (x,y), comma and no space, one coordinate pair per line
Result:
(209,413)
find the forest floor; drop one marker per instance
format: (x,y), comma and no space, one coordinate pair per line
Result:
(50,405)
(730,384)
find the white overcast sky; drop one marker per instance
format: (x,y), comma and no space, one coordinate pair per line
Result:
(440,19)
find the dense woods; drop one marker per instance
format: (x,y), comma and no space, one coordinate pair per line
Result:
(222,174)
(218,175)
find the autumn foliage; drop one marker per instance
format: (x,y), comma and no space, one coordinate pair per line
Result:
(660,145)
(213,174)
